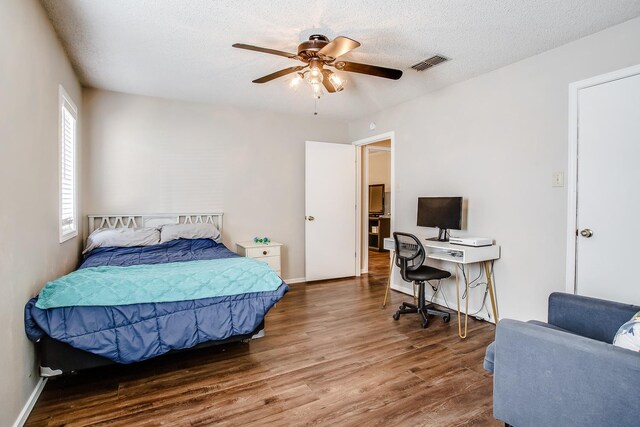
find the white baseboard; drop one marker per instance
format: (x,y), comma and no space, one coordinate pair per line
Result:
(440,301)
(295,280)
(28,406)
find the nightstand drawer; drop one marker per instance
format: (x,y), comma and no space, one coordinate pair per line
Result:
(266,251)
(273,261)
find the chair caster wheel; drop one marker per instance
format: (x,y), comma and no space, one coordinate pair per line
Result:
(396,316)
(401,307)
(446,318)
(425,325)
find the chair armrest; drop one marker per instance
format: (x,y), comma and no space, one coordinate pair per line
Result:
(590,317)
(546,377)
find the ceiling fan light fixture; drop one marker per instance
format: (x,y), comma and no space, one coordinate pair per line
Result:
(314,76)
(295,82)
(336,81)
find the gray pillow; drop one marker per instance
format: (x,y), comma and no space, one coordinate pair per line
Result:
(189,231)
(122,237)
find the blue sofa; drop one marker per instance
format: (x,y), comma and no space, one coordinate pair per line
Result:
(566,372)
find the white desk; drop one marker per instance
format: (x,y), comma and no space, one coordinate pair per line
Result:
(464,256)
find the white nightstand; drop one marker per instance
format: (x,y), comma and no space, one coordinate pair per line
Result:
(269,253)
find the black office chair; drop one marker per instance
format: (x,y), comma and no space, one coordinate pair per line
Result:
(410,255)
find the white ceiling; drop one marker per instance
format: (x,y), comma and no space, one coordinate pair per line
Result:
(182,49)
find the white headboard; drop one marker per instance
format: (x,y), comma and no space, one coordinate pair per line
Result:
(152,220)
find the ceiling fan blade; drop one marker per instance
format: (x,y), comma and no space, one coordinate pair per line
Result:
(280,73)
(372,70)
(265,50)
(326,82)
(338,47)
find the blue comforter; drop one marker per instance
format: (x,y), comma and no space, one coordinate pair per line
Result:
(135,332)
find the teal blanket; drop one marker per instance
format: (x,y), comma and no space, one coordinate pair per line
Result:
(179,281)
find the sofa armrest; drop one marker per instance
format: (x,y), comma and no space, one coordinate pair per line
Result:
(546,377)
(589,317)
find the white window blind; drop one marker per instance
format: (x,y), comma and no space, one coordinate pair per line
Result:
(68,208)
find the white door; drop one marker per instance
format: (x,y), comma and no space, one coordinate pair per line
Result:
(330,210)
(608,198)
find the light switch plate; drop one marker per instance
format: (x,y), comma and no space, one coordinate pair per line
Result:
(557,179)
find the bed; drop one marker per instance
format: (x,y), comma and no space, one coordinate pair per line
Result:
(129,304)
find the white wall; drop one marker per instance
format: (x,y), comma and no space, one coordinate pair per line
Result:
(33,65)
(496,139)
(151,155)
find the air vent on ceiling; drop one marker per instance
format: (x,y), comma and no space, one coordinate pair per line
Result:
(428,63)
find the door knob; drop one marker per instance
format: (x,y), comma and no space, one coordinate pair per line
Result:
(310,218)
(587,232)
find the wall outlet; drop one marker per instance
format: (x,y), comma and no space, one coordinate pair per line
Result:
(557,179)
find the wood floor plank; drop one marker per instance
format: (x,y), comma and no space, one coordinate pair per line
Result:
(331,356)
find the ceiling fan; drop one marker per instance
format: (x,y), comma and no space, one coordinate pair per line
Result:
(317,53)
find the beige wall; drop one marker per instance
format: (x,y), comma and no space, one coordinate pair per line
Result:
(151,155)
(496,139)
(380,169)
(33,65)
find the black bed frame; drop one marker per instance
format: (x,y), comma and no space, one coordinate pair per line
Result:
(57,358)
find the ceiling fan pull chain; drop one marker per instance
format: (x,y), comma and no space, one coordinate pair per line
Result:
(315,109)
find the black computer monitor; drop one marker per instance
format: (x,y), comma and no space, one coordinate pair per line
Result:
(444,213)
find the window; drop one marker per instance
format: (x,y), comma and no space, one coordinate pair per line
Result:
(67,150)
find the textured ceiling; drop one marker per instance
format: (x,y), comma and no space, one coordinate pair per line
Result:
(182,49)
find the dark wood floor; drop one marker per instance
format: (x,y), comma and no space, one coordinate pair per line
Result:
(331,356)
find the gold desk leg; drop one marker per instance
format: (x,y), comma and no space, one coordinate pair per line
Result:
(487,271)
(386,292)
(458,301)
(466,313)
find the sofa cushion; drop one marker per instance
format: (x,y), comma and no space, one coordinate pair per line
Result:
(628,336)
(490,354)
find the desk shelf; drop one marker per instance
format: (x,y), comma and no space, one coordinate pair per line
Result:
(470,254)
(444,256)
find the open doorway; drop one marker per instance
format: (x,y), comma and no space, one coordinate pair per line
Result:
(376,202)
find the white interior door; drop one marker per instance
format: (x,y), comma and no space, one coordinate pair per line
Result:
(608,198)
(330,210)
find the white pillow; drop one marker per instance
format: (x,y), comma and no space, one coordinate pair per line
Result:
(628,336)
(123,237)
(189,231)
